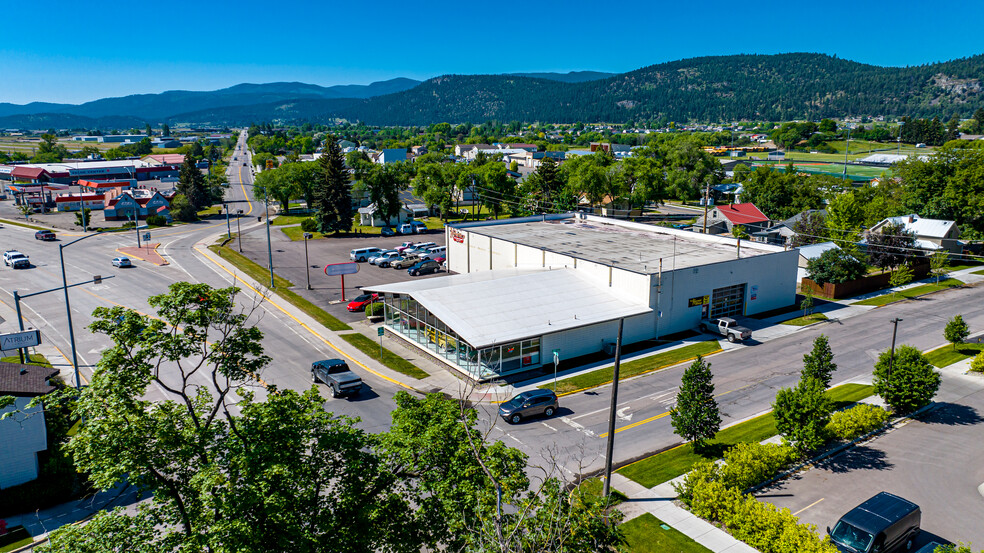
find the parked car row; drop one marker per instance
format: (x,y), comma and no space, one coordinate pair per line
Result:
(416,258)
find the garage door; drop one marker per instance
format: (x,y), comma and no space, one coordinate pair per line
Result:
(728,301)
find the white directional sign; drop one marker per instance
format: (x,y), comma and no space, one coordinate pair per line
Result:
(17,340)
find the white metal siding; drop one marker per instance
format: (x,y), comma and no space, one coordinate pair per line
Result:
(23,435)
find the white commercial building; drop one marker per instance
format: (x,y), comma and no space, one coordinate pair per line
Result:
(532,286)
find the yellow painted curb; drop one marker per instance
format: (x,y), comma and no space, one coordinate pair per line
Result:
(144,260)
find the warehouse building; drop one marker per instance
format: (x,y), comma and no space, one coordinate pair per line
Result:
(532,287)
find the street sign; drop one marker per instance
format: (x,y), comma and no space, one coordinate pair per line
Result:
(338,269)
(17,340)
(556,356)
(380,331)
(147,236)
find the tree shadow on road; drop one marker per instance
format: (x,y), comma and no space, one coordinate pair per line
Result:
(860,457)
(953,414)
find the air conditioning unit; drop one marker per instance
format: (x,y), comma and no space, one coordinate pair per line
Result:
(608,348)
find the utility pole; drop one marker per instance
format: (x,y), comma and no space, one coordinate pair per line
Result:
(707,194)
(266,209)
(239,232)
(891,354)
(20,323)
(612,411)
(307,264)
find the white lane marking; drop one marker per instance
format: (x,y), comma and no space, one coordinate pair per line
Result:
(623,415)
(515,439)
(578,427)
(660,394)
(550,427)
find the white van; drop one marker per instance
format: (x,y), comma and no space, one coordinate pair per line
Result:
(362,254)
(435,252)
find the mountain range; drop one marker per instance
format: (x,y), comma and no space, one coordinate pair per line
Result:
(715,88)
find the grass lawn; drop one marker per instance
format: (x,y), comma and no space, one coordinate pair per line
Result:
(35,359)
(296,234)
(393,361)
(981,272)
(592,488)
(18,533)
(807,320)
(672,463)
(20,224)
(947,355)
(262,274)
(648,534)
(209,211)
(635,367)
(289,219)
(910,293)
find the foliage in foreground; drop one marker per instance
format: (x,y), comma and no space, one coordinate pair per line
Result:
(802,414)
(857,421)
(232,467)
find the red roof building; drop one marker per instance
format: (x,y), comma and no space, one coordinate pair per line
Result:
(721,219)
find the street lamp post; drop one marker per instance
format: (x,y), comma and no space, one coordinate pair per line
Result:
(266,210)
(307,264)
(239,232)
(891,353)
(68,306)
(135,229)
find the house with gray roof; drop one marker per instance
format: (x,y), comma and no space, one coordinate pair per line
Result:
(24,433)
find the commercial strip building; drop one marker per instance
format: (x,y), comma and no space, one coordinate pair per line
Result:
(529,287)
(69,172)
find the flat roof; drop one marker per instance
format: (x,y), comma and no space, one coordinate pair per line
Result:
(631,246)
(527,303)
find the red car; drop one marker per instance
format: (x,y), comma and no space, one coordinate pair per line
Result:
(360,303)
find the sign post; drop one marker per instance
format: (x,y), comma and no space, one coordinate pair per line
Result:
(342,269)
(20,340)
(380,331)
(556,356)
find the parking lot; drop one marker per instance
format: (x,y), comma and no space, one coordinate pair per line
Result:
(288,262)
(934,462)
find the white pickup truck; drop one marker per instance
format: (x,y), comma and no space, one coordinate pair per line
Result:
(728,327)
(15,259)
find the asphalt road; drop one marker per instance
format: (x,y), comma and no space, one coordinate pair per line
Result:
(931,461)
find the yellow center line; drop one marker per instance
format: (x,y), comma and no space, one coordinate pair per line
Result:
(635,424)
(242,185)
(305,326)
(808,506)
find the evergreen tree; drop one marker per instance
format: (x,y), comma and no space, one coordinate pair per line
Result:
(191,183)
(819,363)
(332,197)
(979,120)
(956,331)
(196,151)
(696,417)
(166,130)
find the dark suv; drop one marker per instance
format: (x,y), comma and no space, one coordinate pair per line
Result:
(424,267)
(529,404)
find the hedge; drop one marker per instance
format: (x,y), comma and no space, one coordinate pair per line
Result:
(857,421)
(374,310)
(977,364)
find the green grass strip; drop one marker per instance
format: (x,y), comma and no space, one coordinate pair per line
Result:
(648,534)
(296,234)
(948,355)
(262,275)
(635,367)
(289,219)
(35,359)
(981,272)
(20,224)
(669,464)
(390,359)
(910,293)
(807,320)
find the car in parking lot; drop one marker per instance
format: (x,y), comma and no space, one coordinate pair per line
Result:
(404,246)
(45,235)
(360,302)
(433,252)
(419,248)
(528,404)
(363,254)
(424,267)
(122,262)
(404,262)
(387,231)
(383,258)
(882,524)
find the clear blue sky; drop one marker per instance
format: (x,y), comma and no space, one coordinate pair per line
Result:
(62,51)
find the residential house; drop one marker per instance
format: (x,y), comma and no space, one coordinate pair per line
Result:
(461,149)
(392,155)
(722,218)
(370,218)
(23,434)
(418,150)
(813,251)
(931,234)
(782,233)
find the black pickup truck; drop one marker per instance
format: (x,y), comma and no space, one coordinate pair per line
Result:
(336,374)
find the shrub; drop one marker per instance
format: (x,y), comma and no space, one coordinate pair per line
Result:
(910,383)
(802,414)
(857,421)
(977,365)
(374,310)
(309,225)
(750,464)
(157,221)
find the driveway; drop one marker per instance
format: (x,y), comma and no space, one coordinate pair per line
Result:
(934,462)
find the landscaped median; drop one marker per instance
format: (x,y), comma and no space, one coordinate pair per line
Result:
(948,355)
(805,320)
(667,465)
(390,359)
(20,224)
(635,367)
(910,293)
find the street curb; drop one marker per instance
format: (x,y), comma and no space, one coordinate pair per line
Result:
(165,262)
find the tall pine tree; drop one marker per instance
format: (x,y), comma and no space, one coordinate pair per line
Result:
(332,197)
(819,363)
(696,417)
(191,183)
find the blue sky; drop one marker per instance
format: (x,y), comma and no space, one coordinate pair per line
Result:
(66,53)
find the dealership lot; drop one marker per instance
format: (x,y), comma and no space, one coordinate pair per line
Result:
(288,262)
(934,462)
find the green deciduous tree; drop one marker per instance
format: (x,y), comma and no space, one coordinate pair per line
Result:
(182,209)
(332,197)
(891,247)
(437,184)
(938,264)
(900,276)
(835,266)
(83,217)
(383,184)
(956,330)
(907,381)
(696,417)
(819,363)
(845,219)
(802,414)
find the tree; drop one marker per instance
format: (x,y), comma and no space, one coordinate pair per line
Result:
(956,330)
(807,304)
(83,217)
(810,229)
(845,219)
(906,381)
(496,188)
(938,264)
(332,197)
(695,417)
(802,414)
(165,130)
(891,247)
(835,266)
(182,209)
(819,363)
(191,183)
(383,184)
(900,277)
(739,233)
(436,184)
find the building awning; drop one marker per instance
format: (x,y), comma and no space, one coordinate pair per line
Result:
(497,307)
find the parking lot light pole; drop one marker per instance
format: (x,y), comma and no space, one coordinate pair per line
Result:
(307,264)
(239,232)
